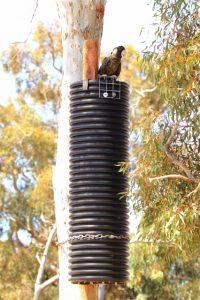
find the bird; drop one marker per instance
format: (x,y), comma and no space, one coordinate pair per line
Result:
(111,65)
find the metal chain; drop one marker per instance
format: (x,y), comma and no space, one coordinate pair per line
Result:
(94,237)
(98,237)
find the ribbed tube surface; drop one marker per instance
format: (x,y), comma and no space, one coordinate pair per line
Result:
(99,126)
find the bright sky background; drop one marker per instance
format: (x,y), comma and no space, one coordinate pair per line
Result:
(123,22)
(122,25)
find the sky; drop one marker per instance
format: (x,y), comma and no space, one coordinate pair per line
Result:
(123,22)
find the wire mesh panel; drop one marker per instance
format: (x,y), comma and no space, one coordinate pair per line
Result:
(99,131)
(109,87)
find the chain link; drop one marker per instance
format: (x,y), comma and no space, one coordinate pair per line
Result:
(94,237)
(98,237)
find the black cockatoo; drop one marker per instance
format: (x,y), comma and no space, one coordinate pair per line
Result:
(111,65)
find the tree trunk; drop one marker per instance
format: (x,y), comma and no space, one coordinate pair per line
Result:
(80,20)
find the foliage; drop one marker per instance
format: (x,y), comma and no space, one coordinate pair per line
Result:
(170,136)
(27,150)
(153,277)
(165,177)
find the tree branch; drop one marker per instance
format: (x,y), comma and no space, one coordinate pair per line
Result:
(53,53)
(31,21)
(143,91)
(15,181)
(173,133)
(38,284)
(49,267)
(29,229)
(45,220)
(49,281)
(172,156)
(44,285)
(178,163)
(38,258)
(177,176)
(194,191)
(133,241)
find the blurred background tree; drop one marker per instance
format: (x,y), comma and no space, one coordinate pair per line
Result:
(166,174)
(27,150)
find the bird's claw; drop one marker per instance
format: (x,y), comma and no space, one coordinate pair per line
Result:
(104,76)
(114,77)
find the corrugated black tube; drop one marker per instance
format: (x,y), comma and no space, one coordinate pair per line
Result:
(99,131)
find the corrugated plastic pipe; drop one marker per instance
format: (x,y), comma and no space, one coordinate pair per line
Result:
(99,133)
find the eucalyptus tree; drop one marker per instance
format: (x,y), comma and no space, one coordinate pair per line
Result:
(167,178)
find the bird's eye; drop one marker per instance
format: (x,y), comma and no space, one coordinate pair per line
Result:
(123,52)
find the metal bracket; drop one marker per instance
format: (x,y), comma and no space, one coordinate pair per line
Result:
(85,84)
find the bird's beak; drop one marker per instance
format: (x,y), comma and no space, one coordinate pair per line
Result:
(123,53)
(114,51)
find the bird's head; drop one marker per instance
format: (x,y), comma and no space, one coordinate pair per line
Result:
(118,52)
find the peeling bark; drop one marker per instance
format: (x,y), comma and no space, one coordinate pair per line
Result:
(80,20)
